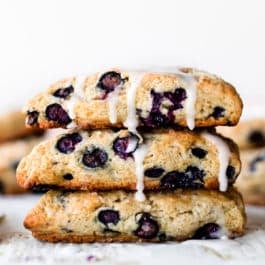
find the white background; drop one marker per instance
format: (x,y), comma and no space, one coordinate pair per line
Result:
(43,41)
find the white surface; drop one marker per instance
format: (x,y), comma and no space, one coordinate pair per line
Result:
(43,41)
(18,247)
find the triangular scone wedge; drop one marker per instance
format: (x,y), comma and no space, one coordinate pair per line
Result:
(118,217)
(107,160)
(182,97)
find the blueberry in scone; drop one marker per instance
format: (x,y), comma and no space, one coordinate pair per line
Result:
(208,231)
(95,157)
(147,227)
(109,216)
(32,118)
(67,143)
(63,92)
(125,146)
(55,112)
(192,177)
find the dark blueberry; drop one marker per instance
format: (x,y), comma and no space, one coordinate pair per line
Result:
(157,100)
(154,172)
(55,112)
(109,81)
(256,138)
(255,161)
(41,188)
(67,143)
(156,118)
(162,237)
(108,230)
(66,230)
(191,178)
(15,165)
(172,180)
(194,173)
(148,228)
(218,112)
(198,152)
(68,176)
(77,138)
(125,146)
(230,172)
(2,188)
(176,97)
(32,117)
(208,231)
(95,158)
(63,92)
(109,216)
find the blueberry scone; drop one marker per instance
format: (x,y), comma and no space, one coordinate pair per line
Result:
(12,126)
(116,217)
(251,181)
(183,97)
(10,155)
(105,160)
(247,134)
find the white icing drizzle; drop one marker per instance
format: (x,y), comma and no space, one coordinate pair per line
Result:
(112,103)
(132,144)
(79,85)
(70,105)
(139,155)
(190,102)
(132,122)
(74,98)
(223,155)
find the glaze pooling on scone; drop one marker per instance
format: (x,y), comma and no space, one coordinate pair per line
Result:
(224,156)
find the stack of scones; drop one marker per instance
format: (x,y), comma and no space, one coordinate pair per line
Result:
(141,160)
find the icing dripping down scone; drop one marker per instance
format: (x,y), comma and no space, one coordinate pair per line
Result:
(104,160)
(185,97)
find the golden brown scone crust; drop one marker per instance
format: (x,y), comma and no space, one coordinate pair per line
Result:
(247,134)
(169,149)
(251,181)
(92,111)
(10,155)
(73,216)
(12,126)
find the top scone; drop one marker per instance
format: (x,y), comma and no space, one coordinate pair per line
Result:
(184,97)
